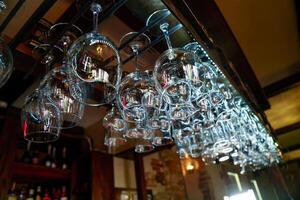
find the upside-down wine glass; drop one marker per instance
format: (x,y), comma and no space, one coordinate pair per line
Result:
(57,87)
(6,63)
(40,119)
(96,62)
(175,70)
(116,128)
(136,84)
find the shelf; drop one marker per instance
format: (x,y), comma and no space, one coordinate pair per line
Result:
(27,171)
(24,49)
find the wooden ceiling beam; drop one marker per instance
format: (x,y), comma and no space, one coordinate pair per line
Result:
(287,129)
(282,85)
(290,148)
(31,22)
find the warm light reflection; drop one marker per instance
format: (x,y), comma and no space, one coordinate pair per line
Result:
(190,165)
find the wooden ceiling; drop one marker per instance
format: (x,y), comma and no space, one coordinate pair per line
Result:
(268,34)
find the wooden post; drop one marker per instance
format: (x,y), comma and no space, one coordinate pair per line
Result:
(102,176)
(140,176)
(8,146)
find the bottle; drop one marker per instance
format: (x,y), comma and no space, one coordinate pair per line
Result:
(12,193)
(54,162)
(22,195)
(27,154)
(48,158)
(56,194)
(64,193)
(35,158)
(30,194)
(38,195)
(46,195)
(64,162)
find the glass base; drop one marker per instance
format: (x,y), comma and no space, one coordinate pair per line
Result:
(161,141)
(41,137)
(143,148)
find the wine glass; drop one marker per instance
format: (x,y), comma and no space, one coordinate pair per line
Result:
(70,33)
(6,63)
(138,130)
(143,146)
(136,86)
(173,71)
(114,138)
(40,119)
(113,121)
(47,55)
(96,62)
(57,87)
(2,6)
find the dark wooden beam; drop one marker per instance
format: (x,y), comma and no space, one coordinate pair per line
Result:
(31,22)
(290,148)
(11,14)
(140,176)
(297,7)
(8,143)
(282,85)
(136,24)
(287,129)
(209,25)
(102,176)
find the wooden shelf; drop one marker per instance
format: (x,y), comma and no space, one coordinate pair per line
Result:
(24,49)
(27,171)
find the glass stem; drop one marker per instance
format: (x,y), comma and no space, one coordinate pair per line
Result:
(136,54)
(165,29)
(95,21)
(96,9)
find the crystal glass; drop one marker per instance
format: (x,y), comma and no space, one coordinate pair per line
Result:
(173,71)
(162,131)
(143,146)
(70,33)
(132,90)
(95,60)
(113,121)
(47,55)
(136,86)
(40,119)
(57,87)
(6,63)
(138,131)
(114,138)
(2,6)
(115,127)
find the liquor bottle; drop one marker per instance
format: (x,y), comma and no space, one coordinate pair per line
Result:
(48,158)
(54,162)
(22,195)
(64,163)
(12,193)
(27,154)
(38,195)
(35,157)
(46,195)
(64,193)
(56,194)
(30,194)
